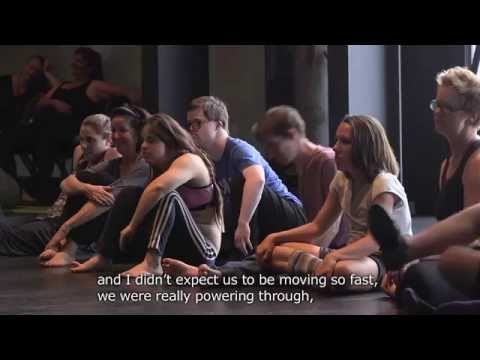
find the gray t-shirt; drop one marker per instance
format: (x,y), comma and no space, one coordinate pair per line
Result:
(356,207)
(139,176)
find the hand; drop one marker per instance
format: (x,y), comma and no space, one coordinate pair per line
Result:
(56,243)
(61,106)
(101,195)
(327,268)
(265,250)
(390,282)
(242,238)
(125,236)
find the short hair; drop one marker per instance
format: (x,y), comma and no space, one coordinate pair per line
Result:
(101,123)
(278,121)
(465,83)
(371,150)
(213,108)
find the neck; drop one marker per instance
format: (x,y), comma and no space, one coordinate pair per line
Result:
(305,150)
(99,158)
(129,158)
(358,177)
(459,144)
(217,148)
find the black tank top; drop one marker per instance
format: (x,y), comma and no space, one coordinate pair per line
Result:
(450,198)
(77,98)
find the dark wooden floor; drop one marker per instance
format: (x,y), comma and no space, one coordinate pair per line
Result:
(28,289)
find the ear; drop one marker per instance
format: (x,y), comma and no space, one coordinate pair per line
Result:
(474,119)
(292,133)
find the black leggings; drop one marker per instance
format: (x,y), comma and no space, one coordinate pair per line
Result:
(428,283)
(273,214)
(89,232)
(168,228)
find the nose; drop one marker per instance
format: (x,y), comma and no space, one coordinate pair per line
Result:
(335,147)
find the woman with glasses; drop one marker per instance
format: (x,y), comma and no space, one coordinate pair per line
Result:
(456,114)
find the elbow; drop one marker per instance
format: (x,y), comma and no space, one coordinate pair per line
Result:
(64,186)
(256,182)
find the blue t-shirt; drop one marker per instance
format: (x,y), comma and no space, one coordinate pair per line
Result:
(239,155)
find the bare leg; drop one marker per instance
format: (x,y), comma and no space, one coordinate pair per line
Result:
(461,267)
(280,257)
(95,263)
(150,265)
(309,248)
(360,275)
(459,229)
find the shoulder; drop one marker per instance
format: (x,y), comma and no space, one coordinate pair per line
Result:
(340,179)
(322,156)
(188,159)
(384,180)
(241,148)
(236,143)
(471,173)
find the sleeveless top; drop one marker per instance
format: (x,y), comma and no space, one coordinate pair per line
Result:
(82,105)
(450,197)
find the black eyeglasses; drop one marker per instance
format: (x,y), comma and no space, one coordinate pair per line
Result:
(443,107)
(196,124)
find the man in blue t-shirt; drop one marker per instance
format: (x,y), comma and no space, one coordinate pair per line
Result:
(256,202)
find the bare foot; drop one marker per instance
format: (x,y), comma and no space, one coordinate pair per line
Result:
(205,270)
(143,269)
(174,267)
(94,264)
(60,259)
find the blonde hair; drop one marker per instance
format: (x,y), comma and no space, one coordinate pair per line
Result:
(371,150)
(465,83)
(101,123)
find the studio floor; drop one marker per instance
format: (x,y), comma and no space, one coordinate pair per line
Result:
(29,289)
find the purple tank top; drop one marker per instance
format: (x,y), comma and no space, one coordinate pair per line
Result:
(196,198)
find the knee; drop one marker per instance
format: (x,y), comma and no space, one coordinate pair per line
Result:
(344,269)
(455,258)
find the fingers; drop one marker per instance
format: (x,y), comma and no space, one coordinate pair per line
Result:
(102,198)
(249,245)
(47,255)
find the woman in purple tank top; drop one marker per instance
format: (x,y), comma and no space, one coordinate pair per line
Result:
(178,215)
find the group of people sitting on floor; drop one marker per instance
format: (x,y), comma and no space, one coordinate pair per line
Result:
(195,201)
